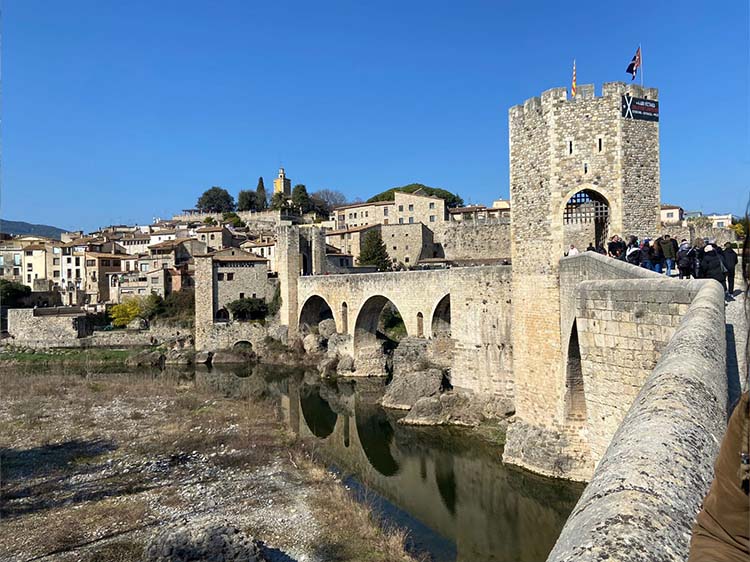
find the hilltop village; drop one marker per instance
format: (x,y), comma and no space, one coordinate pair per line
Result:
(99,269)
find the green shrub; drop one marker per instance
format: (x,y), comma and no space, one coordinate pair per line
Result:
(248,309)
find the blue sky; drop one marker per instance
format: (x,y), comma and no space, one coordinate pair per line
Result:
(122,111)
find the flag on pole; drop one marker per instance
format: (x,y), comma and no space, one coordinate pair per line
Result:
(634,64)
(573,88)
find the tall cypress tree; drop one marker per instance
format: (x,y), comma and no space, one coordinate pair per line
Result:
(374,252)
(261,199)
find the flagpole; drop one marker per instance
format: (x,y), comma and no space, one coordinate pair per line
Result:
(640,50)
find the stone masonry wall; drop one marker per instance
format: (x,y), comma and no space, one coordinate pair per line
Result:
(648,487)
(481,330)
(623,327)
(42,331)
(470,240)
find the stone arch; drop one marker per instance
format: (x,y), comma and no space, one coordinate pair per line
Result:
(376,436)
(222,315)
(420,325)
(586,216)
(441,318)
(315,309)
(368,319)
(575,396)
(344,318)
(243,346)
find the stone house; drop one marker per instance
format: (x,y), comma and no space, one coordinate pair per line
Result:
(215,237)
(225,276)
(349,240)
(99,267)
(11,260)
(265,250)
(34,263)
(406,208)
(407,244)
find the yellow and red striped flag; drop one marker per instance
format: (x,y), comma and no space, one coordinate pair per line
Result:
(573,89)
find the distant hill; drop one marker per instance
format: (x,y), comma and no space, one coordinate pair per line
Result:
(451,199)
(20,227)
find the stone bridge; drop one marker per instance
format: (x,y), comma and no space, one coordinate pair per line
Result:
(479,327)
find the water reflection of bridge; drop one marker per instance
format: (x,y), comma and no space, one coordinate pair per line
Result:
(490,511)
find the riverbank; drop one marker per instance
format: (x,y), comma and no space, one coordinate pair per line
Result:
(95,466)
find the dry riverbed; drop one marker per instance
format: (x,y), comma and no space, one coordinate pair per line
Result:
(92,467)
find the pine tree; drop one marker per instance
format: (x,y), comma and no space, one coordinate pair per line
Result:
(301,199)
(261,197)
(374,252)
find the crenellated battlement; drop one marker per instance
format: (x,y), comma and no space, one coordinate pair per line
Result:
(585,92)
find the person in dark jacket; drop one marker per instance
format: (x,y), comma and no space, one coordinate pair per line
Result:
(712,266)
(685,260)
(657,257)
(647,255)
(668,247)
(730,261)
(633,252)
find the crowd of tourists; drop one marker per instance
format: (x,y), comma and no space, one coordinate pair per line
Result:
(703,259)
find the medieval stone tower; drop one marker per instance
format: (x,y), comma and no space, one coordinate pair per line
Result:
(581,170)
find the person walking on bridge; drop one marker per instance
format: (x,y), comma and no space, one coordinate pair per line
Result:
(730,261)
(668,247)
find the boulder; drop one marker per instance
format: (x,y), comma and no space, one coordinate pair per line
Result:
(213,542)
(146,359)
(326,328)
(345,364)
(451,408)
(226,357)
(327,366)
(339,343)
(203,357)
(406,389)
(312,343)
(179,357)
(410,355)
(137,324)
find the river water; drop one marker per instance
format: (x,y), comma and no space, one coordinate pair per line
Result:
(448,488)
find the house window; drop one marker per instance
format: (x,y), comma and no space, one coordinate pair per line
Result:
(406,247)
(212,237)
(78,273)
(55,261)
(28,278)
(432,204)
(221,277)
(242,295)
(406,259)
(78,262)
(670,215)
(29,267)
(115,262)
(16,259)
(400,208)
(2,261)
(69,260)
(719,224)
(401,220)
(29,253)
(355,215)
(56,273)
(230,276)
(105,263)
(55,250)
(411,207)
(385,221)
(394,247)
(432,218)
(385,211)
(411,220)
(89,263)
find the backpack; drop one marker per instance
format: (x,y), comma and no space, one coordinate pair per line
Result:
(633,255)
(683,258)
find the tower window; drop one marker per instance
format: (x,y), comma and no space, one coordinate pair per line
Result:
(570,147)
(585,168)
(600,143)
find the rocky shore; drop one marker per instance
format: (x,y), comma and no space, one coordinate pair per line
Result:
(163,467)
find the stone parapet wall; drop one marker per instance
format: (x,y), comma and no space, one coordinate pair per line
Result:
(692,233)
(223,335)
(44,331)
(271,218)
(646,490)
